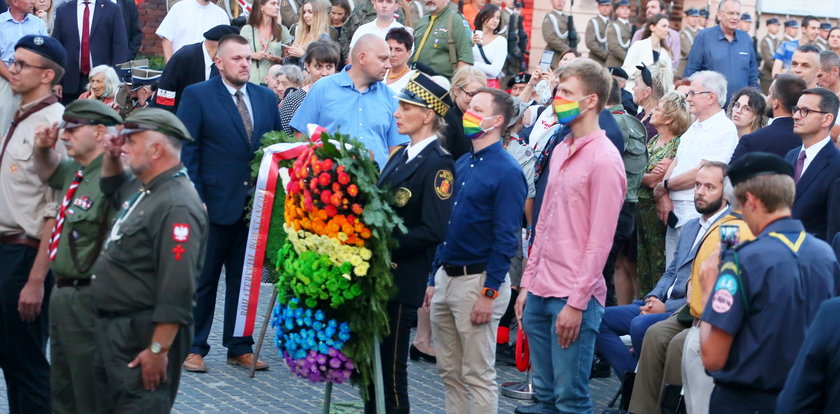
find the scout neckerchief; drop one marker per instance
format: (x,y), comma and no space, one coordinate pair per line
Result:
(62,213)
(19,117)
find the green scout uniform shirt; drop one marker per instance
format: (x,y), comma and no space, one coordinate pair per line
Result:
(435,50)
(155,250)
(86,220)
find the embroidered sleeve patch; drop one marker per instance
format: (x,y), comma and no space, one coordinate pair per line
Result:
(180,232)
(443,184)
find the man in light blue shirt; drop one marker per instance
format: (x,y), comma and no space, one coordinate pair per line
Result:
(784,53)
(356,101)
(725,50)
(15,23)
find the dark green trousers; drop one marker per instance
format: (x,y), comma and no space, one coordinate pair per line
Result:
(72,350)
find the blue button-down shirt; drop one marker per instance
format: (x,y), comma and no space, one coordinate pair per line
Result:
(785,52)
(11,31)
(486,218)
(335,104)
(735,59)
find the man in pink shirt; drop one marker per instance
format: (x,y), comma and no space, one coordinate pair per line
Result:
(562,290)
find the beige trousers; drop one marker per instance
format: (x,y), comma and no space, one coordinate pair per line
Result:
(466,353)
(659,364)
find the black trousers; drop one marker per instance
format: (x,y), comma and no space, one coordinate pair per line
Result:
(736,400)
(394,352)
(626,224)
(23,345)
(225,246)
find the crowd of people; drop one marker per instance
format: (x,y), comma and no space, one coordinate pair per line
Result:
(688,184)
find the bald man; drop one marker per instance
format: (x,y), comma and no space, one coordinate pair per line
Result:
(356,101)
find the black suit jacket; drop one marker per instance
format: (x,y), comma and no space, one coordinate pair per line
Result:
(185,68)
(777,138)
(133,33)
(814,190)
(425,215)
(108,45)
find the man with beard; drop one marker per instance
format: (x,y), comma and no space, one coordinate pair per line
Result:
(356,101)
(227,116)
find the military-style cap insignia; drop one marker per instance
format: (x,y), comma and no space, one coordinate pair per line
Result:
(443,184)
(402,196)
(84,203)
(38,41)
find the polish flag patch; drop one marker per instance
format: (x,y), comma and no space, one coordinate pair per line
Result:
(180,232)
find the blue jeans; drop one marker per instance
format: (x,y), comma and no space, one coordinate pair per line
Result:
(560,376)
(623,320)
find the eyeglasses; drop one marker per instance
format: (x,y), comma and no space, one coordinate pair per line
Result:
(737,107)
(806,111)
(693,94)
(470,94)
(18,66)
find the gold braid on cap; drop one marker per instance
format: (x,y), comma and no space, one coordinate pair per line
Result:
(432,101)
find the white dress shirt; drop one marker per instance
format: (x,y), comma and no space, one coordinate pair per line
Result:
(231,90)
(412,150)
(812,151)
(208,61)
(714,139)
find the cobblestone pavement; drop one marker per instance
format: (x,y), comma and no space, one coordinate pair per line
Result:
(227,389)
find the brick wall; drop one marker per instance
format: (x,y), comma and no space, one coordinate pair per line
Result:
(151,14)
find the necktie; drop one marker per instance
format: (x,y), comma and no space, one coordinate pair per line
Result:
(85,53)
(59,224)
(243,113)
(425,37)
(800,165)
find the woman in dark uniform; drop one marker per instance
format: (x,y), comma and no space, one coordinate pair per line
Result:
(420,175)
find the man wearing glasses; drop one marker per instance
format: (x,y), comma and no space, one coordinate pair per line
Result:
(28,209)
(816,163)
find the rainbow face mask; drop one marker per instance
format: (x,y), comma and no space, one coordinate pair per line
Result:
(472,125)
(566,110)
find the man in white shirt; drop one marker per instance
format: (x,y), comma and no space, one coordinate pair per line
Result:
(385,21)
(712,137)
(186,22)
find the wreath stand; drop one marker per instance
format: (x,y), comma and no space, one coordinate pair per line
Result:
(379,388)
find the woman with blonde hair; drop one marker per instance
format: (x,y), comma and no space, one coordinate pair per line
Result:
(45,11)
(670,118)
(651,83)
(266,37)
(466,82)
(314,24)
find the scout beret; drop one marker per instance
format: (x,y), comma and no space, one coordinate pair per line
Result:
(825,26)
(617,71)
(773,21)
(424,91)
(89,112)
(791,23)
(155,119)
(220,31)
(519,79)
(746,17)
(44,46)
(692,12)
(758,163)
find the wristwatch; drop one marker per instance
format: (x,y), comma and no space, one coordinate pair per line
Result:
(490,293)
(156,348)
(665,184)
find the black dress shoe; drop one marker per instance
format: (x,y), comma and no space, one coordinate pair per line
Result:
(600,368)
(417,355)
(529,409)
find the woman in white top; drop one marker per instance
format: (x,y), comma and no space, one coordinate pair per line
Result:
(400,43)
(650,50)
(489,48)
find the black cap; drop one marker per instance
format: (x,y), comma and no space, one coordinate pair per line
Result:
(825,26)
(424,91)
(746,17)
(44,46)
(519,79)
(791,23)
(617,71)
(692,12)
(220,31)
(758,163)
(773,21)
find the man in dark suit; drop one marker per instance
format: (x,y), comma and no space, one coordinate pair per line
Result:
(105,43)
(133,33)
(226,116)
(189,65)
(778,137)
(817,162)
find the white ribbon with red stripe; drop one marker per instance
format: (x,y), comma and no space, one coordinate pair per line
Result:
(245,6)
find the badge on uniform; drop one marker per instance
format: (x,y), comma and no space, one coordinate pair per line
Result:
(178,250)
(725,288)
(84,203)
(443,184)
(402,196)
(180,232)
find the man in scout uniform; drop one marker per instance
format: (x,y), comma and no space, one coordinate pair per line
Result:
(443,39)
(290,12)
(596,33)
(557,32)
(619,34)
(766,49)
(687,35)
(764,295)
(145,278)
(83,220)
(27,214)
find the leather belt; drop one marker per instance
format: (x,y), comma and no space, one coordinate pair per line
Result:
(20,238)
(67,282)
(463,270)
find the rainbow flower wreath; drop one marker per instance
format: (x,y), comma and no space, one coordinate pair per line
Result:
(333,263)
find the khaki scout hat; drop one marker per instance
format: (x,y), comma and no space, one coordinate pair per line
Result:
(155,119)
(89,112)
